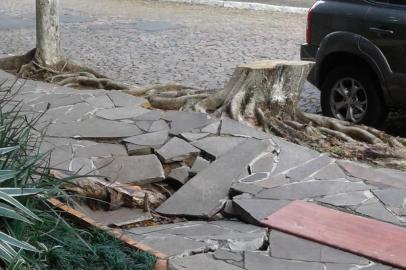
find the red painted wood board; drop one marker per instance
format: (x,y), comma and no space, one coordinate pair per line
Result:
(367,237)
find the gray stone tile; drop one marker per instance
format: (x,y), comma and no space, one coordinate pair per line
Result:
(159,126)
(237,225)
(261,261)
(392,197)
(144,125)
(254,211)
(177,150)
(197,229)
(82,166)
(377,211)
(185,121)
(93,128)
(234,258)
(340,266)
(231,127)
(378,266)
(310,189)
(273,181)
(149,139)
(346,199)
(191,137)
(255,177)
(199,262)
(292,155)
(265,163)
(100,150)
(138,150)
(237,241)
(239,188)
(198,165)
(213,128)
(135,169)
(121,113)
(301,172)
(202,193)
(151,115)
(215,147)
(121,99)
(100,102)
(180,174)
(330,172)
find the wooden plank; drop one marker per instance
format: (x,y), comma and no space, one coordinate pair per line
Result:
(370,238)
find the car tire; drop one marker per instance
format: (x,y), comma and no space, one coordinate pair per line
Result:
(366,88)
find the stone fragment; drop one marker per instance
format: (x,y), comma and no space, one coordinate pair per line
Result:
(215,147)
(330,172)
(346,199)
(185,121)
(177,150)
(254,211)
(199,262)
(212,128)
(256,177)
(100,150)
(198,165)
(201,194)
(240,188)
(264,163)
(100,102)
(93,128)
(149,139)
(262,261)
(121,113)
(82,166)
(135,169)
(180,174)
(121,99)
(273,181)
(159,126)
(392,197)
(191,137)
(377,211)
(140,150)
(308,168)
(237,225)
(144,125)
(151,115)
(235,258)
(310,189)
(234,128)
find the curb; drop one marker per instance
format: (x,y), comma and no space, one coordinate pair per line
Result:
(243,5)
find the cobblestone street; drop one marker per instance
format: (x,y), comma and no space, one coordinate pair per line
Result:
(154,42)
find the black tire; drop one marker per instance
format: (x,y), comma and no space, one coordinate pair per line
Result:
(376,111)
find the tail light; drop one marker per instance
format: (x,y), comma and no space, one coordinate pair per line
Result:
(309,23)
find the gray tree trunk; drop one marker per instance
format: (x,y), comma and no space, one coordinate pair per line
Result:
(48,33)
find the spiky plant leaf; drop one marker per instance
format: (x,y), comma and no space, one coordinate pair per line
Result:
(5,238)
(10,200)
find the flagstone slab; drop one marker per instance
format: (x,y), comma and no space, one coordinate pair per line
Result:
(330,172)
(377,211)
(100,150)
(215,147)
(201,194)
(177,150)
(191,137)
(181,121)
(151,115)
(133,169)
(100,102)
(198,165)
(231,127)
(121,113)
(346,199)
(310,189)
(199,262)
(180,174)
(213,128)
(140,150)
(313,166)
(149,139)
(264,163)
(374,239)
(93,128)
(158,126)
(121,99)
(372,175)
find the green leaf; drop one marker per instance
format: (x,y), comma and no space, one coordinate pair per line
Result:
(14,242)
(6,252)
(17,204)
(6,150)
(7,174)
(8,212)
(16,192)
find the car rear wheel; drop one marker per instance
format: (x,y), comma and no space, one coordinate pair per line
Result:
(351,94)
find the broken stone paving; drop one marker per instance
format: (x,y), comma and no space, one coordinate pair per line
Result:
(197,188)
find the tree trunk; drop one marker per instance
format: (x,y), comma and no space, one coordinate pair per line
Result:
(48,51)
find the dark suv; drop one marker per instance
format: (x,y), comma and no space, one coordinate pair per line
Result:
(360,51)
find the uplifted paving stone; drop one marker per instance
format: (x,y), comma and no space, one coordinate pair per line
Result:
(100,102)
(240,188)
(135,169)
(149,139)
(310,189)
(289,247)
(264,163)
(202,193)
(215,147)
(140,150)
(100,150)
(301,172)
(255,210)
(199,262)
(191,137)
(231,127)
(121,99)
(185,121)
(93,128)
(198,165)
(121,113)
(213,128)
(177,150)
(262,261)
(373,175)
(180,174)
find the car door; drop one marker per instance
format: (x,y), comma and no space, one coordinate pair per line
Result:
(387,30)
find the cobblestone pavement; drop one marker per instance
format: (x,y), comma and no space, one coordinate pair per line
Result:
(154,42)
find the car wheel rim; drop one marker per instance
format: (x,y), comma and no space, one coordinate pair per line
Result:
(348,100)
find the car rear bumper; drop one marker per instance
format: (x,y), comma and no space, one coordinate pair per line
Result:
(308,52)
